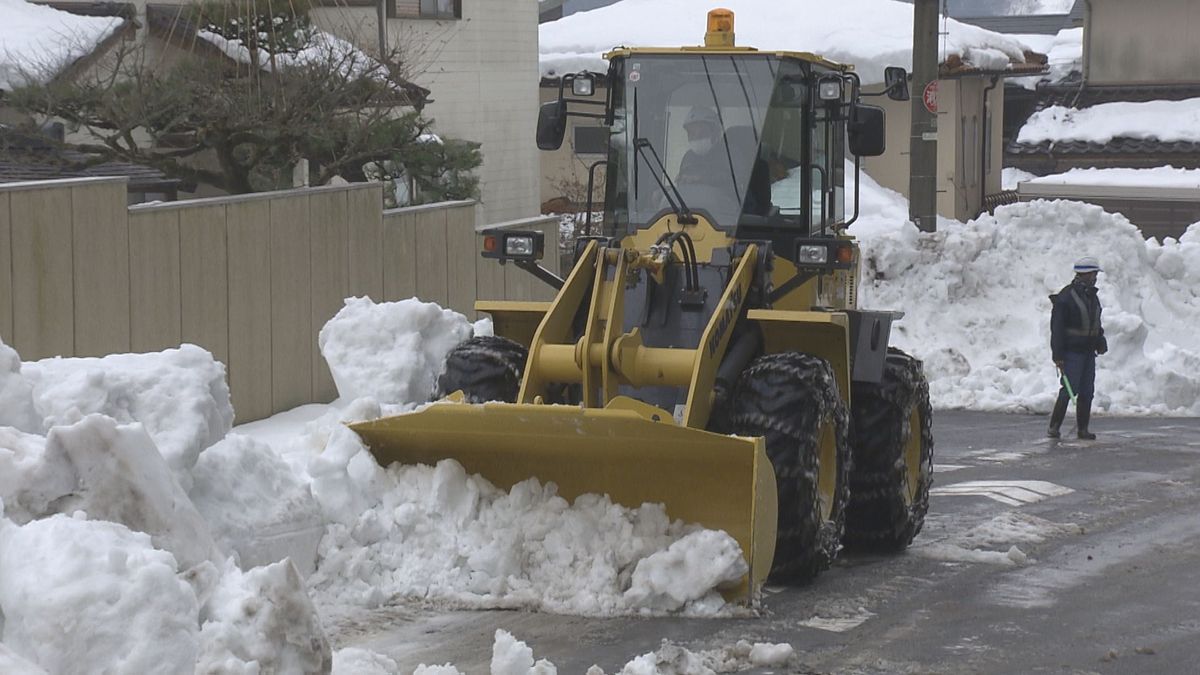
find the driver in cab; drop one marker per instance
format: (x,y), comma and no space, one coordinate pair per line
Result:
(703,131)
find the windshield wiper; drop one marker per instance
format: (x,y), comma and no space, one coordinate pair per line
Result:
(682,212)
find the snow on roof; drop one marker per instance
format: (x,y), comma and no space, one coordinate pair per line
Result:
(870,34)
(1168,121)
(1157,177)
(322,48)
(38,42)
(1064,54)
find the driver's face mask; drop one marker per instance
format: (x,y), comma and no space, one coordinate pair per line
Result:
(701,146)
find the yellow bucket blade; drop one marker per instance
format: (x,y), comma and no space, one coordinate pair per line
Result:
(721,482)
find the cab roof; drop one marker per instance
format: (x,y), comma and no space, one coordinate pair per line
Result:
(816,59)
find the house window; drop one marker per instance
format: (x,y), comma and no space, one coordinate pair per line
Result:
(427,9)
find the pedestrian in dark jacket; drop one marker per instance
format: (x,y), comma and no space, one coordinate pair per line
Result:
(1076,337)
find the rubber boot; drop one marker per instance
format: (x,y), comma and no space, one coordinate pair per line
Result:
(1083,415)
(1057,415)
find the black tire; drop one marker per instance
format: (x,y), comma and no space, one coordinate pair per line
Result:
(485,368)
(892,430)
(792,400)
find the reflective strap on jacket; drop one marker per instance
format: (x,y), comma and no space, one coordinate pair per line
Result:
(1091,324)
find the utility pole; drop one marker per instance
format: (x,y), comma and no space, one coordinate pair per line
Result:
(381,12)
(922,169)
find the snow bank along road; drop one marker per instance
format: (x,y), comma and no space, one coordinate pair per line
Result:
(1072,555)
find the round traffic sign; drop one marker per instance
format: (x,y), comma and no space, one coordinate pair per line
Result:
(929,96)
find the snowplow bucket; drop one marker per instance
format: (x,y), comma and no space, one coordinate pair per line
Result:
(720,482)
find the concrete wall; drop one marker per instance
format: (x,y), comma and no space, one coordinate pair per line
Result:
(1142,42)
(251,278)
(482,70)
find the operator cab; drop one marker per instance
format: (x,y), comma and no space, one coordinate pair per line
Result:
(754,142)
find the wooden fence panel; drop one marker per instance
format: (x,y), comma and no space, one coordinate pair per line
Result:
(293,341)
(462,248)
(364,211)
(154,280)
(250,369)
(6,256)
(101,254)
(433,284)
(43,274)
(330,275)
(204,279)
(490,280)
(400,256)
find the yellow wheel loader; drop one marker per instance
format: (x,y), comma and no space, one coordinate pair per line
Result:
(705,350)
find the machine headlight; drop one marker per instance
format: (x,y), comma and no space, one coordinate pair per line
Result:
(812,255)
(830,90)
(518,246)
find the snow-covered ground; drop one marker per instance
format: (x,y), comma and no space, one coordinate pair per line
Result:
(142,533)
(37,42)
(871,34)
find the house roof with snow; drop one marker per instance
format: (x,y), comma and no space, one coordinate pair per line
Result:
(39,43)
(1116,133)
(175,24)
(869,34)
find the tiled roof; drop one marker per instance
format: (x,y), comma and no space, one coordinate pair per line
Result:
(1077,95)
(25,157)
(1117,146)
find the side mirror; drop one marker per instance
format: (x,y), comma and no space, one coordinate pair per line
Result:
(896,80)
(552,125)
(866,130)
(583,84)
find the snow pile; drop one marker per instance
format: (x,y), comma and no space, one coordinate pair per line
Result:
(870,34)
(16,394)
(1011,177)
(258,508)
(981,322)
(392,351)
(261,621)
(511,656)
(37,42)
(119,476)
(105,562)
(1159,177)
(1167,121)
(438,533)
(675,660)
(82,596)
(995,541)
(179,395)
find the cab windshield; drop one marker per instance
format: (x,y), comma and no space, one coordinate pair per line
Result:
(738,136)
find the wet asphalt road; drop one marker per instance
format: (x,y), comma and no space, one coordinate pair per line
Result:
(1113,586)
